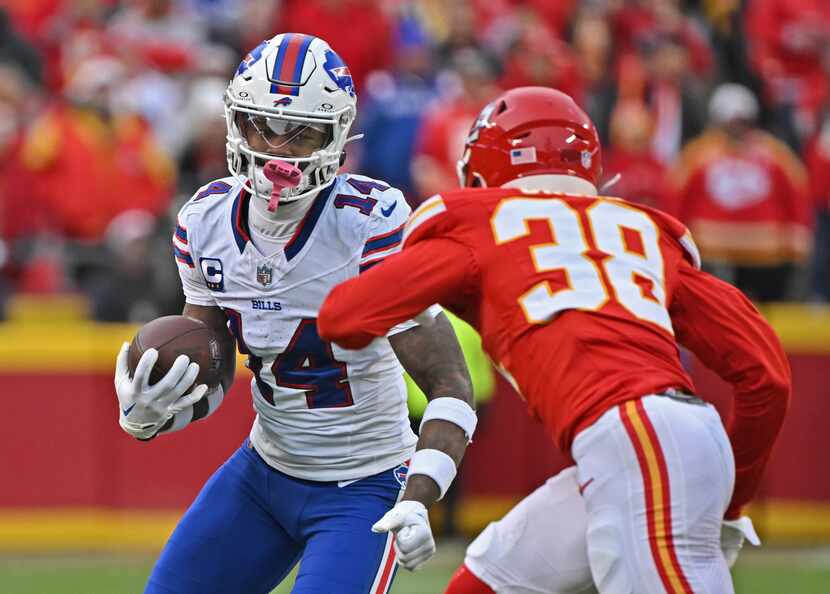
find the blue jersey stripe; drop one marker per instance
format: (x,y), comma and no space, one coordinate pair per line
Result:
(306,226)
(182,256)
(368,265)
(239,220)
(383,242)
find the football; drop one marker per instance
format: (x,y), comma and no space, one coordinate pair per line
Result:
(178,335)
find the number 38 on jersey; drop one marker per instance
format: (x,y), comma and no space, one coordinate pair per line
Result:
(611,252)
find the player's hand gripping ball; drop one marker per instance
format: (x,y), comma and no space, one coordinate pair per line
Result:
(170,365)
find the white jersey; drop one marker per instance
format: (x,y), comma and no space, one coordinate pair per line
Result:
(323,413)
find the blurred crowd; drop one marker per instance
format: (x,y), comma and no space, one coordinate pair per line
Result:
(717,111)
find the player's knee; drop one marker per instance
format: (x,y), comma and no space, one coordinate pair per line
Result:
(606,554)
(465,581)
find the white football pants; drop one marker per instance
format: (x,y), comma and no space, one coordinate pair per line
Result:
(655,475)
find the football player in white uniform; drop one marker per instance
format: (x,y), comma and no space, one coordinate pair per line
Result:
(322,478)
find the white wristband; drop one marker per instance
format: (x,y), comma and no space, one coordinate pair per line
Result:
(453,410)
(435,464)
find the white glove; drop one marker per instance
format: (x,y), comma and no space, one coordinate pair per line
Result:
(732,536)
(143,409)
(413,536)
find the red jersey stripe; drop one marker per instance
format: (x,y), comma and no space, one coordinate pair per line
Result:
(386,576)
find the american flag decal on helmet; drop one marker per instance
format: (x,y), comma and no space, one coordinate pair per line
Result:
(520,156)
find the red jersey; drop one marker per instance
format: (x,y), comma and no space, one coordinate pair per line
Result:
(581,302)
(747,203)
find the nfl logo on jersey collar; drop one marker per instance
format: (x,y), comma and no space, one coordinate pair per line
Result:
(242,232)
(264,275)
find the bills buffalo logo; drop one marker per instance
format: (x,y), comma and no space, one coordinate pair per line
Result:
(251,58)
(400,473)
(264,275)
(339,72)
(282,101)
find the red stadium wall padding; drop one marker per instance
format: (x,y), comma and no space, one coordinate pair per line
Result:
(61,444)
(798,469)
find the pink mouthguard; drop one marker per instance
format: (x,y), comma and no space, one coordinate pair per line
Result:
(282,175)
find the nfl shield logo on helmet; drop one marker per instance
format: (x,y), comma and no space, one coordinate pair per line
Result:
(264,275)
(586,159)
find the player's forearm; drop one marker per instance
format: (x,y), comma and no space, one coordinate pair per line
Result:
(757,419)
(728,334)
(339,322)
(762,384)
(404,285)
(432,356)
(353,315)
(442,436)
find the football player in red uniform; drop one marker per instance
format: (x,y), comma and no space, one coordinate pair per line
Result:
(581,301)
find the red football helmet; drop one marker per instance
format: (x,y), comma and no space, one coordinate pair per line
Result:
(530,131)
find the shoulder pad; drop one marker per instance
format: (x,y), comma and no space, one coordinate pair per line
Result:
(207,197)
(372,198)
(678,231)
(428,209)
(214,190)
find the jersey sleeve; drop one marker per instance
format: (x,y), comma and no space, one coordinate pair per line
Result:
(193,283)
(386,238)
(385,229)
(725,331)
(364,308)
(681,234)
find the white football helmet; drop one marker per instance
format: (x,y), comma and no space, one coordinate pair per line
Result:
(295,90)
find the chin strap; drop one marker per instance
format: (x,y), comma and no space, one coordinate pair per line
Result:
(283,175)
(611,182)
